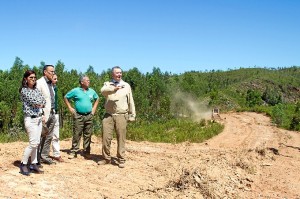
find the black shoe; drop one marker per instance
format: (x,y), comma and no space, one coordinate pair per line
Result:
(24,170)
(47,161)
(34,168)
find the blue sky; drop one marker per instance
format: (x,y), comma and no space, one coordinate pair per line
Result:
(173,35)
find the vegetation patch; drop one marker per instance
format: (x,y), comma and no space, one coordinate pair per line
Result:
(174,131)
(162,97)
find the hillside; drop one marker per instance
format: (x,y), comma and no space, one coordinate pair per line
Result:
(228,89)
(250,159)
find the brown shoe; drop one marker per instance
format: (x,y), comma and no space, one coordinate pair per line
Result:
(58,159)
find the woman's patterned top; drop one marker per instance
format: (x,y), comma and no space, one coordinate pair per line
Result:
(31,98)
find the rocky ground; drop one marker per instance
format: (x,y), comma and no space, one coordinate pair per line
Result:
(251,158)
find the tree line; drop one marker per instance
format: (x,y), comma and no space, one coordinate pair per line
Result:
(162,96)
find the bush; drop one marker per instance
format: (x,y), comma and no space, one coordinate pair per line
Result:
(253,98)
(282,115)
(271,97)
(174,131)
(295,123)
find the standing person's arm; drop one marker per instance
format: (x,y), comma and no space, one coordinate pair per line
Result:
(131,106)
(71,109)
(96,97)
(95,106)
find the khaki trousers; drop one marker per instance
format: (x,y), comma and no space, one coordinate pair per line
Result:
(119,124)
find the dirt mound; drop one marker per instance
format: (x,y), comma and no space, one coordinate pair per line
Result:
(251,158)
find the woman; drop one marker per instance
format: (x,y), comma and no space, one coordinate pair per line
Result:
(33,102)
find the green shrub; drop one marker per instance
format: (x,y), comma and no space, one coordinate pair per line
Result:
(295,122)
(282,115)
(253,98)
(174,131)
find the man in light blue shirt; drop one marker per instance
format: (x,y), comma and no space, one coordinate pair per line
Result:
(83,113)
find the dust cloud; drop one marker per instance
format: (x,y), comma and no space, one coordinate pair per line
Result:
(185,105)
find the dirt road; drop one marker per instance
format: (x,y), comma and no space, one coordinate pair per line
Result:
(251,158)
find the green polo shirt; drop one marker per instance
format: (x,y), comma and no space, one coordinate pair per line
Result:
(82,99)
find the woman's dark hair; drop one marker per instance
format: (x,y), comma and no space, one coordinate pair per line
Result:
(24,81)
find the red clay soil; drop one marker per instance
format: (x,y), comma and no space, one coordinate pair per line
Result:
(251,158)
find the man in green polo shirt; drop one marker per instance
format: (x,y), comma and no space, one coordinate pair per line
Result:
(83,112)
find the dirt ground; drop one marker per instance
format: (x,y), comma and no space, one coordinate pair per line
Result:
(251,158)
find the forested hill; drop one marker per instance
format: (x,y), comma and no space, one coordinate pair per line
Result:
(271,91)
(230,89)
(162,95)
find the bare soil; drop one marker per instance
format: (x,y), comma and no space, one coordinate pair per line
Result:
(251,158)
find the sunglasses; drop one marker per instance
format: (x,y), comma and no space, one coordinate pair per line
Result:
(32,77)
(51,72)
